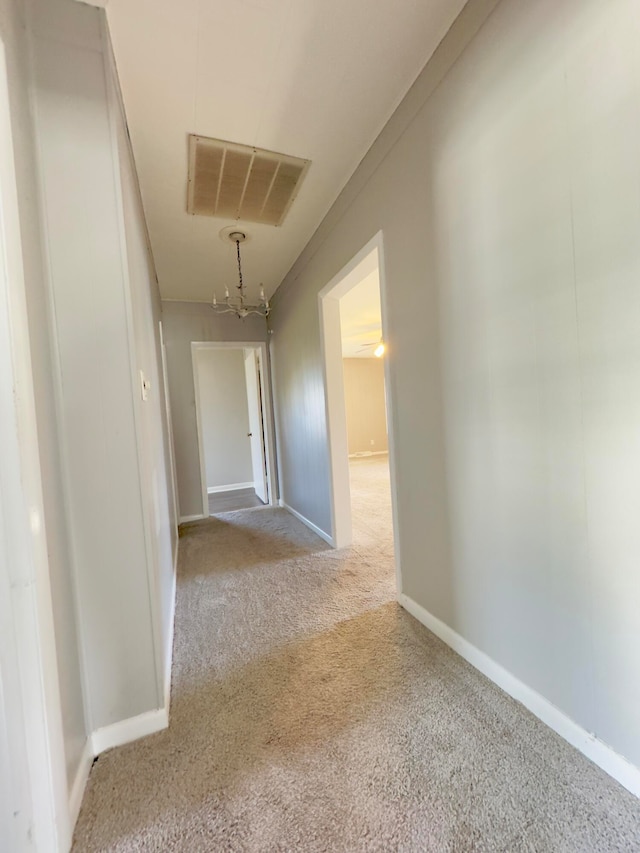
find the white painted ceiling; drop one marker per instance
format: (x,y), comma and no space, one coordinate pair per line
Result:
(360,318)
(316,79)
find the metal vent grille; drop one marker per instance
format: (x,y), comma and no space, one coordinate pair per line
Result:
(239,182)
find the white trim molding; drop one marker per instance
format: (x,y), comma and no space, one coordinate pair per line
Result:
(588,744)
(317,530)
(34,800)
(80,782)
(232,487)
(186,518)
(130,729)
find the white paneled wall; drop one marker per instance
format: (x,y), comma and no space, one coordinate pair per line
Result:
(536,210)
(105,312)
(152,428)
(79,168)
(507,188)
(15,41)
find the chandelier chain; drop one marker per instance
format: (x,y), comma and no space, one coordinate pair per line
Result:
(240,285)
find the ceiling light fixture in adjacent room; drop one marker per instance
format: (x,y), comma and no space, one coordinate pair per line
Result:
(379,350)
(237,304)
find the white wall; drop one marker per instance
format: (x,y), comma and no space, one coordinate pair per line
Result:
(224,416)
(184,322)
(13,33)
(365,405)
(151,421)
(102,299)
(41,714)
(507,190)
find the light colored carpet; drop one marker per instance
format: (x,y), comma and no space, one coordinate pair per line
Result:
(310,713)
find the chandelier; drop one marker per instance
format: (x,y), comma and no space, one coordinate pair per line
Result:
(237,304)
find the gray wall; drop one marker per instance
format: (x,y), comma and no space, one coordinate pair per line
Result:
(506,188)
(224,416)
(100,293)
(13,33)
(364,404)
(299,403)
(152,427)
(184,322)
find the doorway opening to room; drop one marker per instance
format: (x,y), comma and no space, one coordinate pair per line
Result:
(359,414)
(233,416)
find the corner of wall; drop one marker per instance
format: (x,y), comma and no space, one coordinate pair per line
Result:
(588,744)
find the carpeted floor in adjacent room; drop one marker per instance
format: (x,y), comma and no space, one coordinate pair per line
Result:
(310,713)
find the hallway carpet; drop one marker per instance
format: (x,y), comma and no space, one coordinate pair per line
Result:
(310,713)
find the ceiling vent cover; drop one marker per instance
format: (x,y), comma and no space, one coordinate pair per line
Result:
(240,182)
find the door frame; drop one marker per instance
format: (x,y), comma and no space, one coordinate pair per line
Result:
(171,443)
(261,349)
(372,255)
(253,373)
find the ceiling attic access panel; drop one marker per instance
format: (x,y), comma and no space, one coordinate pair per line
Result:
(241,182)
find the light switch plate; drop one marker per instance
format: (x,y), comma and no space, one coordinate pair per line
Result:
(145,386)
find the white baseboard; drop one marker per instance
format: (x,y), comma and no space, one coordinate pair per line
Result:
(232,487)
(185,518)
(309,524)
(588,744)
(80,783)
(127,730)
(364,454)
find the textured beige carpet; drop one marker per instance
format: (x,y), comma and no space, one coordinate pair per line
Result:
(310,713)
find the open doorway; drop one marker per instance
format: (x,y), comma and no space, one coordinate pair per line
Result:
(359,415)
(233,420)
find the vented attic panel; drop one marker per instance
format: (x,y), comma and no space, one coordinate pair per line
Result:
(240,182)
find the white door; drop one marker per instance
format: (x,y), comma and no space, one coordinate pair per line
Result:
(256,429)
